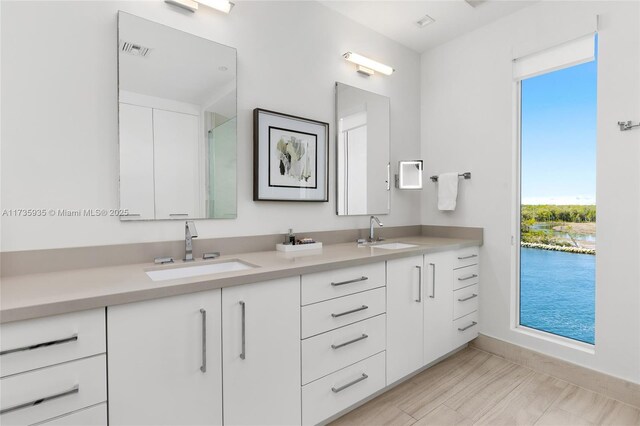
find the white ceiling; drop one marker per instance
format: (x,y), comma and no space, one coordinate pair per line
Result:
(397,19)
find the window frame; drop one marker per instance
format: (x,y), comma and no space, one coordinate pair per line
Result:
(515,236)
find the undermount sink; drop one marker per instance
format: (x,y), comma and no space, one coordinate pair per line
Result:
(195,271)
(394,246)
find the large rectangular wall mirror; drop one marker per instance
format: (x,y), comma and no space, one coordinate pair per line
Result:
(177,123)
(362,152)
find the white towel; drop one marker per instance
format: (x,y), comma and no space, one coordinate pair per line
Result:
(447,191)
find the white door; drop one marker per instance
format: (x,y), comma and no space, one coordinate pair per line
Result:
(136,161)
(164,360)
(261,353)
(405,301)
(438,305)
(175,140)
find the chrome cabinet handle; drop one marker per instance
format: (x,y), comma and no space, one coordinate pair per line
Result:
(468,327)
(433,280)
(468,298)
(419,299)
(41,345)
(468,277)
(357,339)
(39,401)
(178,214)
(467,257)
(203,367)
(350,281)
(358,380)
(352,311)
(243,354)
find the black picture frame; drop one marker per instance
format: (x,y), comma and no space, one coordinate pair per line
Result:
(314,133)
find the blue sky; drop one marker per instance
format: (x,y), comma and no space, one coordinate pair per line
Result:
(559,137)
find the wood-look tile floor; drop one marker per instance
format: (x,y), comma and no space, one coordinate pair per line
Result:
(473,387)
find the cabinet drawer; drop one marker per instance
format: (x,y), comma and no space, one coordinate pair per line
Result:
(465,301)
(31,344)
(331,351)
(467,256)
(66,387)
(464,277)
(334,313)
(341,282)
(465,329)
(92,416)
(332,394)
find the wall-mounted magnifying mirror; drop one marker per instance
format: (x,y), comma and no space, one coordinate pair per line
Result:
(409,174)
(362,122)
(177,116)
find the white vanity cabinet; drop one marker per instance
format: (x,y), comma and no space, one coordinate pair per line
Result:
(261,358)
(438,305)
(432,304)
(52,368)
(165,364)
(405,310)
(343,338)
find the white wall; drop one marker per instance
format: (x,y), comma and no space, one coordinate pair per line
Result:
(59,112)
(468,125)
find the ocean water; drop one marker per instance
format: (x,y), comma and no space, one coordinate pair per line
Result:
(557,293)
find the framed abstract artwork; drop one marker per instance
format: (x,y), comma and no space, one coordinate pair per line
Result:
(290,158)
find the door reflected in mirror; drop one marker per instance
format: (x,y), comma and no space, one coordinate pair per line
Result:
(177,123)
(362,151)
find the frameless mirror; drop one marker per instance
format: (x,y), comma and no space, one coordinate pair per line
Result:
(177,123)
(409,174)
(362,122)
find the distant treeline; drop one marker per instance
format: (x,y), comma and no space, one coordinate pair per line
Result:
(553,213)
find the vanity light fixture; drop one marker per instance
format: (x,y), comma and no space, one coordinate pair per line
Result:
(224,6)
(368,66)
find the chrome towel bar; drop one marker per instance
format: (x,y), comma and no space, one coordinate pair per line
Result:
(466,175)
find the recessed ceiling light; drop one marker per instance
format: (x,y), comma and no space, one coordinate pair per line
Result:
(426,20)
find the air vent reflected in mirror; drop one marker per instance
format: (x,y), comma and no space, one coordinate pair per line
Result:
(134,49)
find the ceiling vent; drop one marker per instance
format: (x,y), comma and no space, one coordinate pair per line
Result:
(475,3)
(425,20)
(134,49)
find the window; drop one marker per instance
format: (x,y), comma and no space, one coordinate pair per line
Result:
(557,192)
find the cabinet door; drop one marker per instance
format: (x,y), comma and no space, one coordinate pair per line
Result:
(136,161)
(405,335)
(438,305)
(261,358)
(157,350)
(175,139)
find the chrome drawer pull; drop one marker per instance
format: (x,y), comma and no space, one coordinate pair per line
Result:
(467,257)
(362,308)
(358,380)
(71,391)
(468,277)
(243,354)
(468,298)
(357,339)
(178,214)
(433,281)
(203,367)
(350,281)
(419,299)
(468,327)
(41,345)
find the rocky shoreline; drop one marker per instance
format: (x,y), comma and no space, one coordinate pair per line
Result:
(578,250)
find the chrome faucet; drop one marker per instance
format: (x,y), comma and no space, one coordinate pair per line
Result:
(373,220)
(190,232)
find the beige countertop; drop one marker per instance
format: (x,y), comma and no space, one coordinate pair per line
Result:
(39,295)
